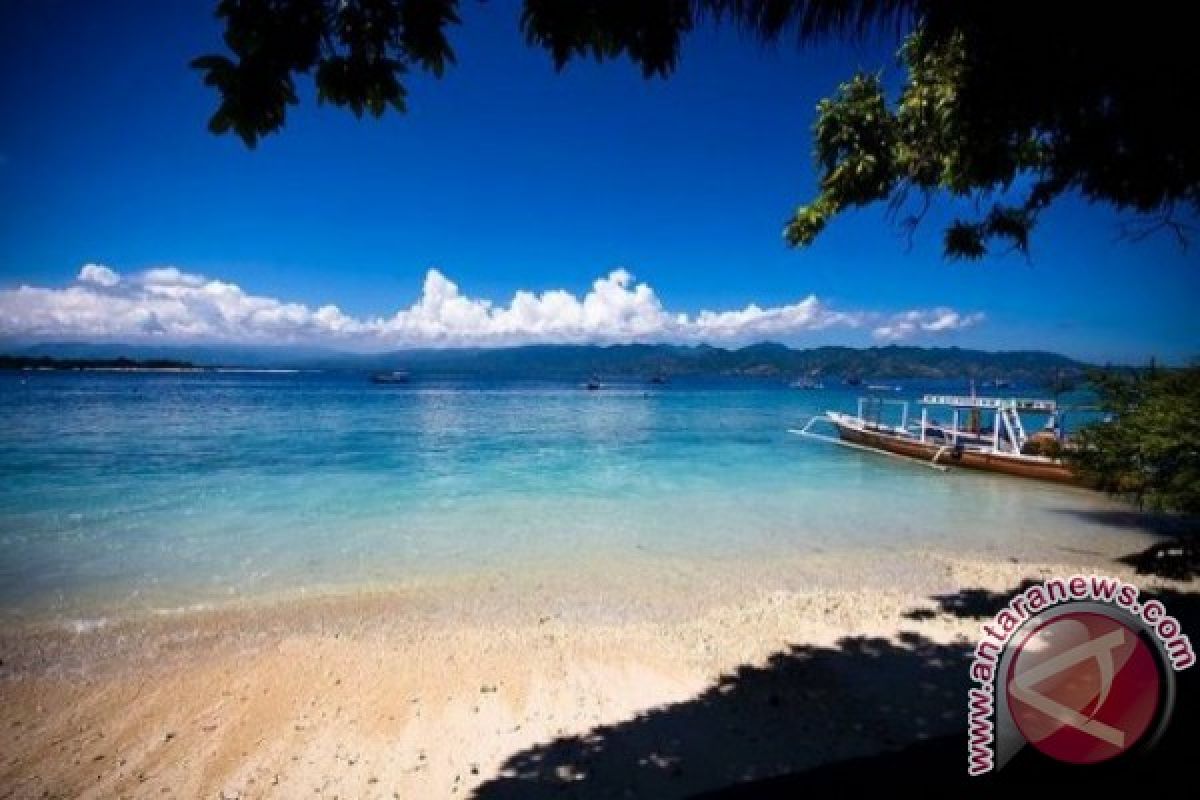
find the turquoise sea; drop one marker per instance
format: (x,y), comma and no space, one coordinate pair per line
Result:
(134,491)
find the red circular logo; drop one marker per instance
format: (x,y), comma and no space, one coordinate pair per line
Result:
(1083,687)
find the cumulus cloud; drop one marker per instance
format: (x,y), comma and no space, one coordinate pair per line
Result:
(99,275)
(934,320)
(168,303)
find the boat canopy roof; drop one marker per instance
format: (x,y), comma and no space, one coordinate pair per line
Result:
(964,401)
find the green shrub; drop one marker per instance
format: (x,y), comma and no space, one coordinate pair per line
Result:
(1149,450)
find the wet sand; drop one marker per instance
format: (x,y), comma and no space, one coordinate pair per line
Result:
(674,682)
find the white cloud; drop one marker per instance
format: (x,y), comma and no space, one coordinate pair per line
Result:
(167,303)
(935,320)
(614,310)
(99,275)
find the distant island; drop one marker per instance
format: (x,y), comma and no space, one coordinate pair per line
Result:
(765,360)
(569,362)
(49,363)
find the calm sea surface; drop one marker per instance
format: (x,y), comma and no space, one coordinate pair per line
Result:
(166,490)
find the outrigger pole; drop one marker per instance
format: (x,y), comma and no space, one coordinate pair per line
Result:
(833,440)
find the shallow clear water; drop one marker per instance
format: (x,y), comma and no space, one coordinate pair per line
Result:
(160,490)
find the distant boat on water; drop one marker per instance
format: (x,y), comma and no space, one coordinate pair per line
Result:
(806,383)
(593,384)
(392,377)
(658,379)
(883,387)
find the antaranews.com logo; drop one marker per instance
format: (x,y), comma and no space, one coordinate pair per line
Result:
(1077,667)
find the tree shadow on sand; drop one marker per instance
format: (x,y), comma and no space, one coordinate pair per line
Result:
(1177,558)
(867,713)
(968,603)
(807,705)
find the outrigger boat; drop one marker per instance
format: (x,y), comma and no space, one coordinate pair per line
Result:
(1003,447)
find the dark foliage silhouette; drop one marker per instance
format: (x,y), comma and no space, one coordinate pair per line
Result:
(1007,105)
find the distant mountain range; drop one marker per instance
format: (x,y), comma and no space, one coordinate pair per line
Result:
(573,361)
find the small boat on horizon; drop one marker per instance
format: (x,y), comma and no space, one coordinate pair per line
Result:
(806,383)
(391,377)
(882,387)
(593,384)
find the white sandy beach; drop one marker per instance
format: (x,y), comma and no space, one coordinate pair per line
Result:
(611,689)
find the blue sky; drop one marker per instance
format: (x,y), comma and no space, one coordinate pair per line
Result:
(506,176)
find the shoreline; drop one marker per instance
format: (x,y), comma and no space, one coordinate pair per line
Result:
(377,693)
(641,583)
(643,577)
